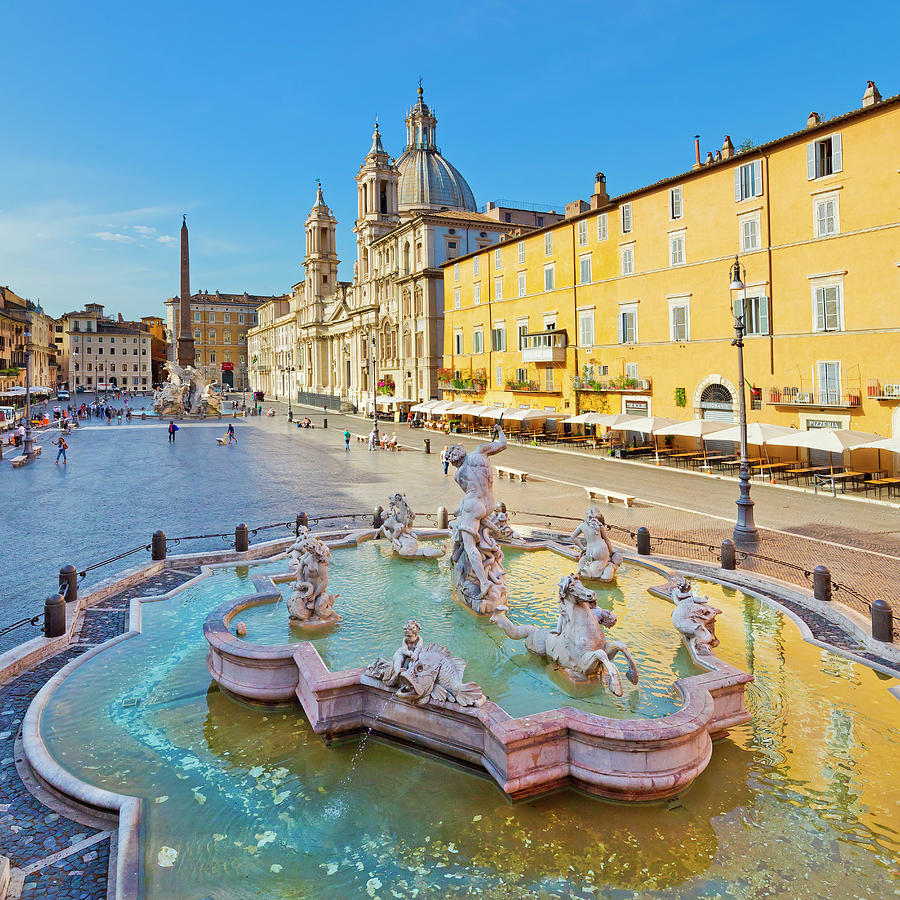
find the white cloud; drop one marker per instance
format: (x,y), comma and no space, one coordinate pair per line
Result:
(166,239)
(144,230)
(115,236)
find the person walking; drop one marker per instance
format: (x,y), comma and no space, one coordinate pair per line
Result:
(445,458)
(232,437)
(347,439)
(172,429)
(63,446)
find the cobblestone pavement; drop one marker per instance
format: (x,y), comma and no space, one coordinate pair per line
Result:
(59,858)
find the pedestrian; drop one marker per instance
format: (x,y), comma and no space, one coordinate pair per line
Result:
(172,429)
(63,446)
(231,434)
(445,458)
(347,439)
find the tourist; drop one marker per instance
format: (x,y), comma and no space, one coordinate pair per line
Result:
(373,437)
(445,458)
(347,439)
(172,429)
(63,446)
(392,443)
(231,435)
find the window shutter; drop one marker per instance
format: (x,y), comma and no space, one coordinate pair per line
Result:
(757,178)
(737,185)
(820,309)
(621,328)
(820,219)
(810,161)
(763,307)
(837,163)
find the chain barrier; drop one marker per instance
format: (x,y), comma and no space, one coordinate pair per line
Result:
(21,623)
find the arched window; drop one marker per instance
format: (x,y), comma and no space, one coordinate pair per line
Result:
(716,403)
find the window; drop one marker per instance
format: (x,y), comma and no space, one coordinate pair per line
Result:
(475,266)
(521,375)
(755,311)
(196,317)
(478,341)
(826,216)
(476,294)
(521,284)
(212,335)
(212,316)
(628,260)
(582,233)
(498,288)
(828,307)
(196,335)
(549,277)
(212,356)
(241,319)
(675,206)
(456,272)
(498,379)
(458,342)
(548,243)
(586,328)
(679,320)
(227,337)
(456,303)
(676,249)
(628,324)
(627,221)
(631,370)
(548,379)
(227,318)
(750,233)
(497,261)
(521,331)
(602,230)
(539,220)
(498,337)
(521,251)
(829,382)
(748,181)
(584,268)
(824,157)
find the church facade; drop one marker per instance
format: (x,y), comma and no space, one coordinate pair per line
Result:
(380,336)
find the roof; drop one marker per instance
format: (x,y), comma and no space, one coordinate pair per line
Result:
(244,299)
(428,179)
(740,156)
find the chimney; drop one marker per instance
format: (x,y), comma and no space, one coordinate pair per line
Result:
(814,119)
(696,151)
(727,148)
(576,207)
(600,197)
(872,95)
(709,158)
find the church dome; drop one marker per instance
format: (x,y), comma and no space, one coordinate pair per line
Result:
(427,179)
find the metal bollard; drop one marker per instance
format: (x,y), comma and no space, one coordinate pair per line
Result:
(54,616)
(728,555)
(324,423)
(376,517)
(158,545)
(68,583)
(643,541)
(443,517)
(882,621)
(822,583)
(241,538)
(427,443)
(302,522)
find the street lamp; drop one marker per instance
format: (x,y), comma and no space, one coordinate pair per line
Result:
(28,449)
(745,528)
(374,392)
(290,371)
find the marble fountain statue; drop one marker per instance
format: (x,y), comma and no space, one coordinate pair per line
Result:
(187,393)
(693,617)
(598,561)
(396,525)
(479,578)
(310,603)
(498,522)
(578,644)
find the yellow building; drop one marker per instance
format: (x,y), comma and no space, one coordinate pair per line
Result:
(624,306)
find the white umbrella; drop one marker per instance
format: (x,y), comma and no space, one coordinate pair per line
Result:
(526,415)
(831,440)
(498,411)
(477,410)
(645,425)
(595,418)
(451,409)
(438,408)
(758,433)
(425,406)
(694,428)
(891,443)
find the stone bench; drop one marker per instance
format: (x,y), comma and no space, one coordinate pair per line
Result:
(18,461)
(511,474)
(608,496)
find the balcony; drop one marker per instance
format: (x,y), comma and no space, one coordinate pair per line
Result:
(622,384)
(544,346)
(530,387)
(883,390)
(823,398)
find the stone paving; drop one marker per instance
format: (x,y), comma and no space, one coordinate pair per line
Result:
(61,859)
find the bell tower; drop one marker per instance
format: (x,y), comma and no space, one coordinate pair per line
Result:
(377,201)
(321,261)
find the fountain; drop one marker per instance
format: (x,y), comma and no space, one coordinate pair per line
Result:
(693,617)
(310,604)
(396,525)
(187,393)
(498,522)
(598,561)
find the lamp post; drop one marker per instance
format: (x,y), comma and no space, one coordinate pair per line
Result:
(290,388)
(745,528)
(374,392)
(28,449)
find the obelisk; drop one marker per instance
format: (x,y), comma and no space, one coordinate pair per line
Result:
(186,354)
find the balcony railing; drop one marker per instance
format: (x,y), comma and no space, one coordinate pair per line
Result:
(883,390)
(837,398)
(531,387)
(544,346)
(619,385)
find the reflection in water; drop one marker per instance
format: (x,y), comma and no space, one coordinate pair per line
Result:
(800,802)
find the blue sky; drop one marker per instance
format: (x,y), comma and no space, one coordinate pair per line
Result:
(120,117)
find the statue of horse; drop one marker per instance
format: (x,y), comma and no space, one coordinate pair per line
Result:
(579,644)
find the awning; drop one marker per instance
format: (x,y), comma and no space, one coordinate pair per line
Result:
(498,411)
(425,406)
(391,401)
(694,428)
(595,418)
(758,433)
(447,406)
(645,425)
(527,415)
(831,440)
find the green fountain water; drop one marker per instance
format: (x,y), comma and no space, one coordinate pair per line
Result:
(242,801)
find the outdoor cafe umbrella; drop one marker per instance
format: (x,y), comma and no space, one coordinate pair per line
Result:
(695,428)
(646,425)
(425,406)
(758,433)
(830,440)
(497,412)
